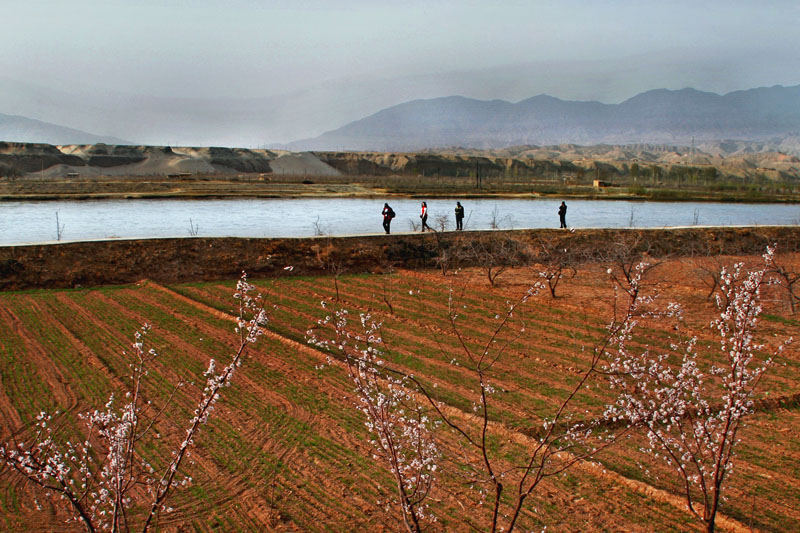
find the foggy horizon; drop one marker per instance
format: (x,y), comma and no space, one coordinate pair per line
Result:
(115,68)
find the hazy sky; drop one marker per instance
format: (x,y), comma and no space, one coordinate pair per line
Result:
(250,48)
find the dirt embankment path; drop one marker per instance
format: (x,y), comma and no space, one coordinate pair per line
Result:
(197,259)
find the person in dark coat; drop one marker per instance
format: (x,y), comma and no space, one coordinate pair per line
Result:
(459,216)
(388,215)
(562,214)
(424,216)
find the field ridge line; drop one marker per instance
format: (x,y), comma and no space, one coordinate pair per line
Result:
(228,316)
(652,492)
(660,495)
(46,368)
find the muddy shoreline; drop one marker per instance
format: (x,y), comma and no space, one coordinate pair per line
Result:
(111,262)
(116,188)
(363,192)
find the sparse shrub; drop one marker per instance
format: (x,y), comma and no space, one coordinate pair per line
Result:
(627,255)
(554,263)
(441,222)
(59,228)
(494,255)
(319,229)
(787,276)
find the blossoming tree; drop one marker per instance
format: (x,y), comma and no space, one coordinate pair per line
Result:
(104,475)
(692,410)
(392,402)
(400,427)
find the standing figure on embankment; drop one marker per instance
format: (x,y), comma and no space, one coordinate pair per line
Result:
(459,216)
(562,214)
(424,216)
(388,215)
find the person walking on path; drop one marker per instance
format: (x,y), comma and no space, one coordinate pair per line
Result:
(562,214)
(459,216)
(424,216)
(388,215)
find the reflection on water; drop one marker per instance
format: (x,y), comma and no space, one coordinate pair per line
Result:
(26,222)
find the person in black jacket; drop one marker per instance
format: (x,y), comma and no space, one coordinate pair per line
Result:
(459,216)
(388,215)
(562,214)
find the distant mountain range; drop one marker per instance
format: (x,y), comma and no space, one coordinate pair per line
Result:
(657,116)
(769,115)
(14,128)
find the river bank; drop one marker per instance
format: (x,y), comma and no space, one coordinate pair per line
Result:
(84,264)
(253,186)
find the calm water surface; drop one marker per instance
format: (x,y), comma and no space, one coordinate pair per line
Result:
(31,222)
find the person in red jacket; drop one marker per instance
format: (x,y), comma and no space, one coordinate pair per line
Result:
(424,216)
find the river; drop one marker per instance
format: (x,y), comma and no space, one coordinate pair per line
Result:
(35,222)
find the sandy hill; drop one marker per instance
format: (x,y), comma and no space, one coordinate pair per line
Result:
(128,160)
(733,158)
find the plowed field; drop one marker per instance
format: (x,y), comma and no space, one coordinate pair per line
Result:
(285,450)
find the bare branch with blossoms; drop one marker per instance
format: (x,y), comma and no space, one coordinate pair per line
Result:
(562,442)
(386,400)
(400,427)
(104,476)
(692,417)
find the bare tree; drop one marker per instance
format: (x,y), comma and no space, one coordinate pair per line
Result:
(629,258)
(563,441)
(446,250)
(332,262)
(319,229)
(710,277)
(787,277)
(101,493)
(388,285)
(494,220)
(708,263)
(497,222)
(495,254)
(59,228)
(554,263)
(441,222)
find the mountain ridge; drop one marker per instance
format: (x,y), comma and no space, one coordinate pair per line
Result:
(655,116)
(16,128)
